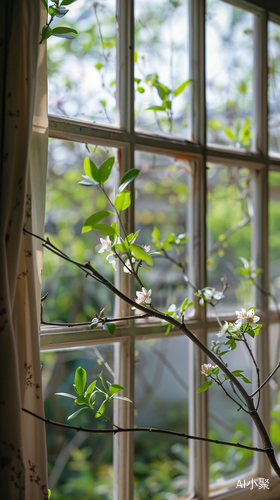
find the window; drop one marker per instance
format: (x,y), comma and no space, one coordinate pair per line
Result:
(177,89)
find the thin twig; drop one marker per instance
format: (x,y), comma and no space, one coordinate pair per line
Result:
(255,363)
(220,384)
(104,320)
(268,378)
(143,429)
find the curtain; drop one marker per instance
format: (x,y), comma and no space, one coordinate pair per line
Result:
(23,473)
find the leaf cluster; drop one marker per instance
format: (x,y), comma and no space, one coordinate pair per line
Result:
(57,10)
(87,397)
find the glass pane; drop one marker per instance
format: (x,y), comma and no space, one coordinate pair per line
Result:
(228,424)
(229,217)
(274,238)
(274,385)
(273,87)
(161,400)
(161,67)
(82,72)
(229,75)
(161,202)
(80,464)
(72,298)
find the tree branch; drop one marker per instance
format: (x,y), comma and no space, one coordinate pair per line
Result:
(268,378)
(143,429)
(151,311)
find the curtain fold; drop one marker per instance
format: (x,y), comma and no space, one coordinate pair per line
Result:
(23,473)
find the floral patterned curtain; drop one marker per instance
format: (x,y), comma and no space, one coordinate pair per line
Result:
(23,472)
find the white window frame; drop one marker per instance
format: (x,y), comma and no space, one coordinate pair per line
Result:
(197,151)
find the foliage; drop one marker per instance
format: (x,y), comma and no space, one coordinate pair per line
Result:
(88,396)
(57,10)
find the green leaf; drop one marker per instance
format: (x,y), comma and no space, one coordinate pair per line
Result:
(105,229)
(105,169)
(204,386)
(101,409)
(168,329)
(121,247)
(114,388)
(80,400)
(140,253)
(163,91)
(123,398)
(141,90)
(122,200)
(258,271)
(94,323)
(237,373)
(184,305)
(181,87)
(104,383)
(62,12)
(91,387)
(216,371)
(99,66)
(91,169)
(91,222)
(45,3)
(53,11)
(46,32)
(67,2)
(156,233)
(88,181)
(80,380)
(110,327)
(76,413)
(251,333)
(241,270)
(127,178)
(156,108)
(62,30)
(115,226)
(49,494)
(257,330)
(65,394)
(246,380)
(229,133)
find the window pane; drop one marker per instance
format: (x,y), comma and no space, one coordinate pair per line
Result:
(229,217)
(72,298)
(273,87)
(161,400)
(274,385)
(274,237)
(161,202)
(161,67)
(229,74)
(228,424)
(80,464)
(82,72)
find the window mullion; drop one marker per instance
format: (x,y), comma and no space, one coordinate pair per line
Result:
(123,412)
(125,64)
(197,227)
(197,108)
(124,417)
(260,220)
